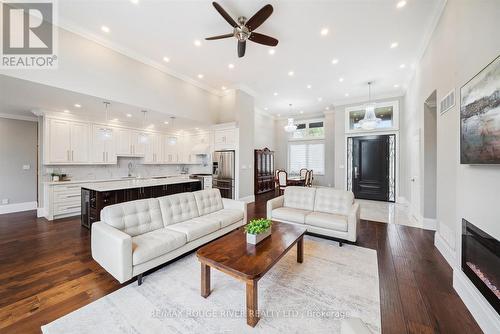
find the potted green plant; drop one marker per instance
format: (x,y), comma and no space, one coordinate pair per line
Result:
(257,230)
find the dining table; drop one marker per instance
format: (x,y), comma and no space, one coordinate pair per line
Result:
(296,181)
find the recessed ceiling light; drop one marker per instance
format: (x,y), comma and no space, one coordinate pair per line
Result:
(309,86)
(394,45)
(135,2)
(402,66)
(279,115)
(105,29)
(401,4)
(197,42)
(341,79)
(302,111)
(166,59)
(129,115)
(327,108)
(166,122)
(291,73)
(200,76)
(66,111)
(231,66)
(266,108)
(324,32)
(196,128)
(223,88)
(275,94)
(77,105)
(271,51)
(115,119)
(320,99)
(346,94)
(396,86)
(335,61)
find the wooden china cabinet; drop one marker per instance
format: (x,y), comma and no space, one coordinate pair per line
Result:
(264,169)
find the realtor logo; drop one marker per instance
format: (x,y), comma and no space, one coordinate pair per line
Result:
(28,34)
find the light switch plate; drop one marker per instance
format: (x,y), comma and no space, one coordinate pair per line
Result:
(26,167)
(5,201)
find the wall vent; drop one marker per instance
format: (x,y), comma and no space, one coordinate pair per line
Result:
(447,102)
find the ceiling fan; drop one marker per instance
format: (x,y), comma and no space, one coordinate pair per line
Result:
(244,29)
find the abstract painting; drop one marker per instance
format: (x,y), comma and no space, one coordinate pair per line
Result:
(480,117)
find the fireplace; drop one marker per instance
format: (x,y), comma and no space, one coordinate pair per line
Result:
(481,262)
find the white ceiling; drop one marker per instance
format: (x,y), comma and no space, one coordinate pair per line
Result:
(360,35)
(19,98)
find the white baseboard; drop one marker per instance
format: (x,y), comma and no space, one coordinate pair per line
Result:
(41,212)
(429,224)
(445,250)
(247,199)
(486,316)
(17,207)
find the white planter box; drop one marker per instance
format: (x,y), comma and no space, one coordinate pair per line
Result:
(254,239)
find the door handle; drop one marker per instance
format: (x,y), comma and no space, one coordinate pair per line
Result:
(72,155)
(103,159)
(356,173)
(107,157)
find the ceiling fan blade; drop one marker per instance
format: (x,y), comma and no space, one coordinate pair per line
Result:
(263,39)
(259,17)
(225,15)
(242,45)
(219,37)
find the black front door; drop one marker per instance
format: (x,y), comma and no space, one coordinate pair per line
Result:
(370,167)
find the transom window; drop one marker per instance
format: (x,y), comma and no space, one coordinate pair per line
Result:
(387,112)
(312,129)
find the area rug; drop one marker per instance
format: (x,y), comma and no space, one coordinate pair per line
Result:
(333,283)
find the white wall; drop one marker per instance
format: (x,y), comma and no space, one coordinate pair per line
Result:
(18,147)
(464,42)
(245,118)
(92,69)
(264,130)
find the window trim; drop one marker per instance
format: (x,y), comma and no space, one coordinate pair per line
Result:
(395,117)
(307,142)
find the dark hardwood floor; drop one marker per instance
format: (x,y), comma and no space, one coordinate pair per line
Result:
(46,271)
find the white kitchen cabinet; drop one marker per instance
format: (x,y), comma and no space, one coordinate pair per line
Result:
(103,149)
(67,142)
(128,142)
(154,147)
(171,151)
(225,139)
(62,200)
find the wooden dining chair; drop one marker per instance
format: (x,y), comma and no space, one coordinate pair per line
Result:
(282,181)
(303,173)
(309,178)
(276,183)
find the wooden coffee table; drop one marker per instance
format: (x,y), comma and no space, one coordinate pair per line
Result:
(232,255)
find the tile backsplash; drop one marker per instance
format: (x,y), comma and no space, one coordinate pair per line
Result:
(102,172)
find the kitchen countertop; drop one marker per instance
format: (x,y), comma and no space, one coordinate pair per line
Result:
(136,183)
(52,183)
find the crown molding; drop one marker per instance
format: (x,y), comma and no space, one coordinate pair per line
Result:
(19,117)
(77,30)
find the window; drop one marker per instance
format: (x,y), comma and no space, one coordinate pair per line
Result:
(306,154)
(309,130)
(386,111)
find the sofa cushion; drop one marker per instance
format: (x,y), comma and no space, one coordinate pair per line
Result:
(327,220)
(150,245)
(208,201)
(331,200)
(135,217)
(178,208)
(299,198)
(290,215)
(195,229)
(224,217)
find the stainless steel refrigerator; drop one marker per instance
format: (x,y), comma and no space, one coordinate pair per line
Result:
(223,173)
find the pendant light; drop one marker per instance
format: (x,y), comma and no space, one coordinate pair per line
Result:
(370,121)
(290,127)
(143,136)
(172,140)
(105,132)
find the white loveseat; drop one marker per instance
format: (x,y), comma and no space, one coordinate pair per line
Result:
(133,237)
(325,211)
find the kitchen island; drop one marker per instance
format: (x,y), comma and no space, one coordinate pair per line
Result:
(96,196)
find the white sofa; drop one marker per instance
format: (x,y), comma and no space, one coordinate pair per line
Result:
(325,211)
(133,237)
